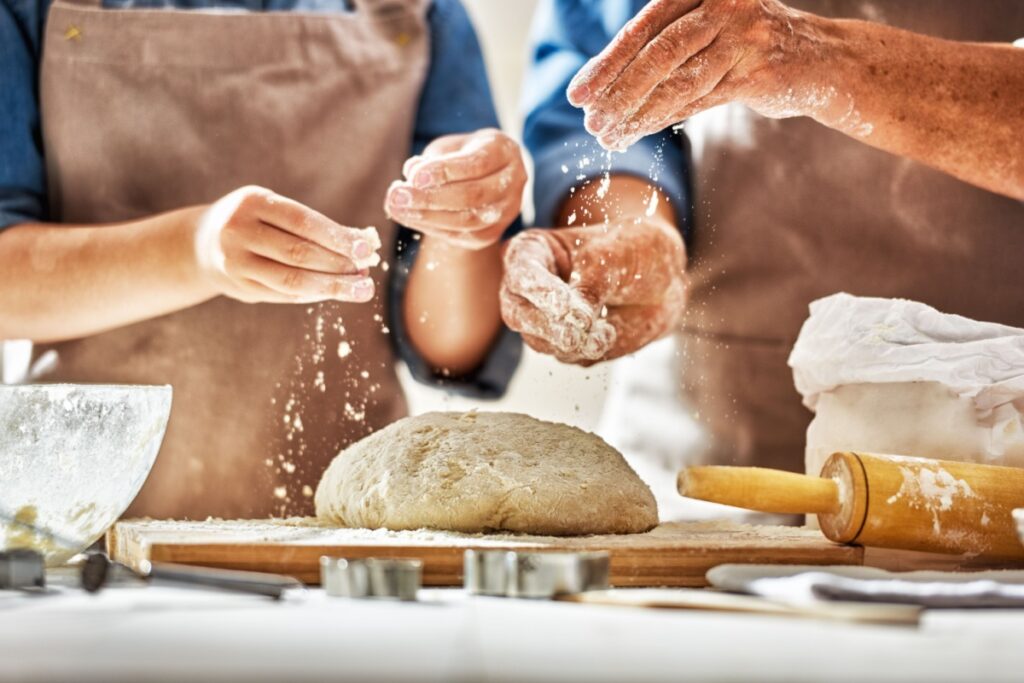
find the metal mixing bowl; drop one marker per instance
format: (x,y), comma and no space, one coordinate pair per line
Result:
(72,458)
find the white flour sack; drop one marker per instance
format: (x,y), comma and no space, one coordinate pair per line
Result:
(899,377)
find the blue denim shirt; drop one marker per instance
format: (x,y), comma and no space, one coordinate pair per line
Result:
(456,98)
(566,33)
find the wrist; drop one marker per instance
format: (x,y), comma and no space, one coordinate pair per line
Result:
(801,54)
(831,73)
(197,270)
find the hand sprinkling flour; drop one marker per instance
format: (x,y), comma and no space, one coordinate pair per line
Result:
(953,105)
(463,189)
(256,246)
(675,59)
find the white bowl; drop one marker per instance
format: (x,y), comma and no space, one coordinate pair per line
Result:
(72,458)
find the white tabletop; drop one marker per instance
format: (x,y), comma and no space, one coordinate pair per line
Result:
(142,634)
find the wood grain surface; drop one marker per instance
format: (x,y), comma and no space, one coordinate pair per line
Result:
(674,554)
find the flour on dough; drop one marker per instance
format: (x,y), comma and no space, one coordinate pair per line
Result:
(481,472)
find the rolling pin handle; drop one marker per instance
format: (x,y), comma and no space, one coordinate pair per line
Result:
(756,488)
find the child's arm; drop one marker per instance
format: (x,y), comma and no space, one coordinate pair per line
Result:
(462,193)
(61,281)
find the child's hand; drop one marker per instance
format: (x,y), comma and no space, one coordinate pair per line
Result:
(257,246)
(464,189)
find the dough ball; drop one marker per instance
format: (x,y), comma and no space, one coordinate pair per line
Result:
(482,472)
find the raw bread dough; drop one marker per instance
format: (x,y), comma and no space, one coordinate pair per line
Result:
(480,472)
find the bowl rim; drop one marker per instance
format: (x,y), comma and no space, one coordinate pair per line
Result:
(86,385)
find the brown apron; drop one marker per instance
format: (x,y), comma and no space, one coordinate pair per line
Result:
(150,110)
(787,211)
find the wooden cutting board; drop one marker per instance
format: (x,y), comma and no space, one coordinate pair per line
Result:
(674,554)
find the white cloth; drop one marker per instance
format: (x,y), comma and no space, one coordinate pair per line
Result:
(856,340)
(933,589)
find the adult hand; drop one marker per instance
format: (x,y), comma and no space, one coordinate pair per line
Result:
(257,246)
(679,57)
(589,294)
(464,189)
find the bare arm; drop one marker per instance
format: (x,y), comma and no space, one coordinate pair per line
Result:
(451,305)
(605,288)
(67,281)
(461,194)
(958,107)
(953,105)
(60,281)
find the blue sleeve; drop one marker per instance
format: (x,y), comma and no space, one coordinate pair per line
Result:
(566,33)
(456,98)
(22,178)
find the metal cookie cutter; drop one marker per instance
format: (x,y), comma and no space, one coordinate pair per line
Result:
(513,574)
(371,578)
(21,568)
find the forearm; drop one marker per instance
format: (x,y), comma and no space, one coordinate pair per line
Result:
(620,198)
(62,282)
(451,307)
(952,105)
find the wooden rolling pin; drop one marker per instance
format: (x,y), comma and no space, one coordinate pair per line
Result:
(883,501)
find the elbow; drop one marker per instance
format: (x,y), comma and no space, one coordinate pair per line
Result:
(451,350)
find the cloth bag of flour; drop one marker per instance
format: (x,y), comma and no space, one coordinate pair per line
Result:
(899,377)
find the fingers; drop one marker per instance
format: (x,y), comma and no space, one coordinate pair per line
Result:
(306,285)
(554,335)
(470,229)
(530,272)
(490,190)
(358,245)
(691,90)
(438,146)
(482,154)
(465,189)
(626,287)
(536,302)
(286,248)
(600,71)
(655,62)
(252,292)
(634,327)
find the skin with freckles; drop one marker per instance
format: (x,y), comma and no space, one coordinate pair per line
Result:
(462,193)
(955,106)
(599,291)
(252,245)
